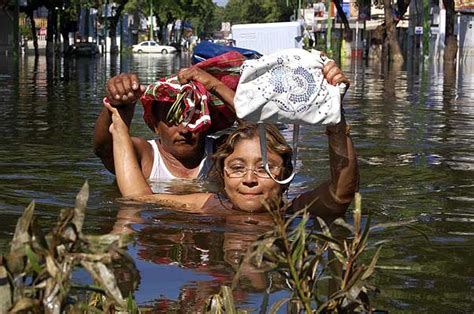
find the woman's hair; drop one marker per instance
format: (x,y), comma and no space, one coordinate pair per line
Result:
(247,130)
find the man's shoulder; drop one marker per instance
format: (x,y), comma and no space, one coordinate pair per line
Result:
(140,141)
(142,146)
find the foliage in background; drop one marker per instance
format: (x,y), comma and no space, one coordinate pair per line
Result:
(25,29)
(309,258)
(35,276)
(255,11)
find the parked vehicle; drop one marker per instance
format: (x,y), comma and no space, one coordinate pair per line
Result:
(268,37)
(151,46)
(83,50)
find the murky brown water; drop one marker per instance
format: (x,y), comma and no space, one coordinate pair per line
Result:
(414,132)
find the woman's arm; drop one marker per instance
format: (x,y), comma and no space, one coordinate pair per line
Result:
(130,179)
(334,196)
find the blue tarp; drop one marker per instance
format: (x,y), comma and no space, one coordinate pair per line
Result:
(206,49)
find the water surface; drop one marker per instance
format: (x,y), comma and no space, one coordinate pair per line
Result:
(414,132)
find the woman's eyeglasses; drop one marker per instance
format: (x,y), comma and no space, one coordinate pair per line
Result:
(241,171)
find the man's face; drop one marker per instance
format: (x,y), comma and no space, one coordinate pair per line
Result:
(177,140)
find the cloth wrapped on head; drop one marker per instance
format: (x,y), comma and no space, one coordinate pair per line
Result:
(191,103)
(289,87)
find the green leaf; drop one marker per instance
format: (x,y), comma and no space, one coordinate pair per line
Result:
(372,264)
(214,305)
(324,227)
(131,304)
(262,248)
(298,246)
(228,299)
(33,259)
(392,224)
(365,234)
(341,229)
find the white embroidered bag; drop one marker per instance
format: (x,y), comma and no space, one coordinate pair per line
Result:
(287,87)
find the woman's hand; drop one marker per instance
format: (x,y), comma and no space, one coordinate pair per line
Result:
(128,172)
(334,75)
(196,74)
(124,89)
(118,126)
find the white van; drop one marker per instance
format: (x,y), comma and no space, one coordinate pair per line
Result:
(267,38)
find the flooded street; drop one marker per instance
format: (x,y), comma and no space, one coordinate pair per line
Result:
(413,129)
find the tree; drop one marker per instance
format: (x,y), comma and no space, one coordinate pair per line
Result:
(388,29)
(69,16)
(391,43)
(254,11)
(114,19)
(30,7)
(217,18)
(451,44)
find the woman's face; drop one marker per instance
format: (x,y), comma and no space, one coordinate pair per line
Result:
(247,191)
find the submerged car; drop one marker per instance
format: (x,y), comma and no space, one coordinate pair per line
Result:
(151,46)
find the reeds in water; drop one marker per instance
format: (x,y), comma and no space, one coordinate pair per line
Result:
(35,275)
(313,259)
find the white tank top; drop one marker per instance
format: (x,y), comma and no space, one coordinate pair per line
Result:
(160,172)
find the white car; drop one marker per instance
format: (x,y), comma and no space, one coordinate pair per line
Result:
(151,46)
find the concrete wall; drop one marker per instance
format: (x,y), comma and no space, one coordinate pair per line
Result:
(8,27)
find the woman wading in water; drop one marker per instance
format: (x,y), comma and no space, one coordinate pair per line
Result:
(238,164)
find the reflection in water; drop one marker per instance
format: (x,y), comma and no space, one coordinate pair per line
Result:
(209,248)
(412,126)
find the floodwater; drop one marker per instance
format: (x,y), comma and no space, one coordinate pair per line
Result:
(414,132)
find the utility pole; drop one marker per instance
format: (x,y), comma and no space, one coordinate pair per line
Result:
(106,24)
(328,29)
(426,26)
(442,24)
(16,31)
(151,19)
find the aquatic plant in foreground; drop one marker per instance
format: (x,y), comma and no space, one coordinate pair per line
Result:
(35,275)
(310,258)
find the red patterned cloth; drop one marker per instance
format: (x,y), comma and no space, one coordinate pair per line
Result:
(198,109)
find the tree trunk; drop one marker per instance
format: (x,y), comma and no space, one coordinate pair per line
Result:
(342,15)
(391,30)
(29,13)
(50,32)
(65,34)
(450,41)
(87,31)
(114,50)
